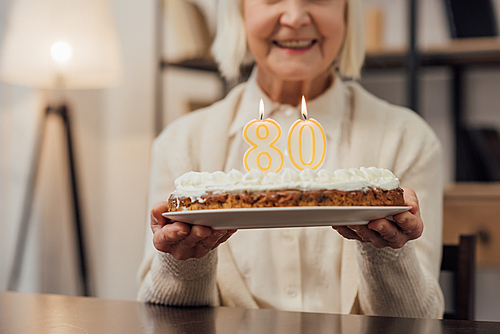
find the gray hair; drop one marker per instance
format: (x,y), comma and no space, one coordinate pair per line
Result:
(230,47)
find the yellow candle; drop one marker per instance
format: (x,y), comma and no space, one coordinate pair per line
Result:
(262,134)
(306,142)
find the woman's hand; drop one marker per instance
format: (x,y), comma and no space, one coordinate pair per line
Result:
(181,240)
(382,232)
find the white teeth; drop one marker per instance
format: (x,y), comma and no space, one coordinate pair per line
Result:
(295,44)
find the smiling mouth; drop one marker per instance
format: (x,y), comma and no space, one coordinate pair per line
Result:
(295,45)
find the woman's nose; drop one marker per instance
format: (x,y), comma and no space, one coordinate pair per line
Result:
(294,14)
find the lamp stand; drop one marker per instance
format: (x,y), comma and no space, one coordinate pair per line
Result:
(15,275)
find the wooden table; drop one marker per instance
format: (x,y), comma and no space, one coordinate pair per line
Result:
(33,314)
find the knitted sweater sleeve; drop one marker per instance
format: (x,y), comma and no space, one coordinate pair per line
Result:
(162,278)
(394,284)
(192,142)
(404,282)
(180,283)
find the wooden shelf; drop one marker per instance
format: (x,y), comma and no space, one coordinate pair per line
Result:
(200,64)
(473,190)
(465,52)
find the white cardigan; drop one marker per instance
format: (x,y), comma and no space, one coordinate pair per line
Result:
(391,282)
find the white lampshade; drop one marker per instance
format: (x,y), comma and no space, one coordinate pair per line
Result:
(53,42)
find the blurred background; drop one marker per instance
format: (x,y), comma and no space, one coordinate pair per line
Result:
(165,72)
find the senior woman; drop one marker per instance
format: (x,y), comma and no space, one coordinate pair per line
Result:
(300,47)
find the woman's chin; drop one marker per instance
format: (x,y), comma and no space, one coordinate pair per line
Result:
(298,73)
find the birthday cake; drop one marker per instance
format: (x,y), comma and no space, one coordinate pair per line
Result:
(255,189)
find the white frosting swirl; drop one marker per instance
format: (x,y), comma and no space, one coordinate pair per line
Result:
(195,184)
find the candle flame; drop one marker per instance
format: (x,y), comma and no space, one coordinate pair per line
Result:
(304,107)
(261,109)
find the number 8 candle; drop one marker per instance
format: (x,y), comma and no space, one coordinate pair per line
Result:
(262,134)
(306,142)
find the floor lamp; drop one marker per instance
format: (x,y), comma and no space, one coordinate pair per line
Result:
(58,45)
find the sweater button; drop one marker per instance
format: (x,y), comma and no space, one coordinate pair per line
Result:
(291,292)
(289,112)
(288,236)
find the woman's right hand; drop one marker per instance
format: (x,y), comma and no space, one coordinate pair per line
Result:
(181,240)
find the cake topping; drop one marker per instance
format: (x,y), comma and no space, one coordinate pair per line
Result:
(196,184)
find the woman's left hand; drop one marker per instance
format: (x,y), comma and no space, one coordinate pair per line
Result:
(385,233)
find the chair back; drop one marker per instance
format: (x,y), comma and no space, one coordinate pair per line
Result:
(460,260)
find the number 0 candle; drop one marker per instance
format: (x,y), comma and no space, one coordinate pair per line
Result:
(306,142)
(262,134)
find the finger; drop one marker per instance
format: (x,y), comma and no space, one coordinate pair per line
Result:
(188,247)
(225,237)
(347,233)
(411,225)
(389,232)
(197,234)
(176,231)
(411,199)
(157,220)
(212,242)
(364,232)
(368,235)
(167,237)
(213,239)
(207,244)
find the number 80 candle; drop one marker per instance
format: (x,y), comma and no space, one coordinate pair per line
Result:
(306,142)
(262,134)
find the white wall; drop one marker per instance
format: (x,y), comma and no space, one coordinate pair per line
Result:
(113,132)
(128,136)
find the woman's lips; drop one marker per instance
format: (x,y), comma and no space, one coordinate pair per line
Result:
(295,44)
